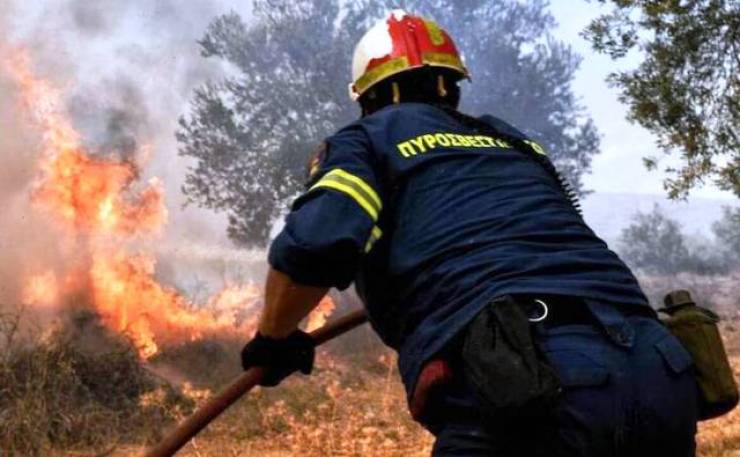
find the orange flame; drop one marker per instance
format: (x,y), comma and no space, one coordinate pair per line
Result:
(130,300)
(101,207)
(41,289)
(318,316)
(88,194)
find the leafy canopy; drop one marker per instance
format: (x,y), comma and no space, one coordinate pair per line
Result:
(656,244)
(251,134)
(686,90)
(727,232)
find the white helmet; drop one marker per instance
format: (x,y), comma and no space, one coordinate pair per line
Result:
(399,43)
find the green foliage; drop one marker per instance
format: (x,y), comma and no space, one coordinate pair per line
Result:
(686,90)
(655,244)
(251,134)
(727,231)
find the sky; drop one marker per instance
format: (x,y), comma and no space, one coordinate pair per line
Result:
(616,169)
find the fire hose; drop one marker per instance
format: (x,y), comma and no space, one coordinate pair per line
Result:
(204,415)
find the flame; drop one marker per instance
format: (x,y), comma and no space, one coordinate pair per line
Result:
(236,296)
(101,207)
(318,316)
(41,289)
(96,195)
(88,194)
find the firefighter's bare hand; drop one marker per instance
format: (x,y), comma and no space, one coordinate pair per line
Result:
(279,357)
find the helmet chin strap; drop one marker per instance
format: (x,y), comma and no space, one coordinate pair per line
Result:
(423,85)
(396,93)
(441,90)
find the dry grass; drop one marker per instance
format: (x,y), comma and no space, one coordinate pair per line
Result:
(721,437)
(352,405)
(58,399)
(338,411)
(59,391)
(78,390)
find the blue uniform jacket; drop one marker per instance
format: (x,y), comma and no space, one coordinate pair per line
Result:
(432,220)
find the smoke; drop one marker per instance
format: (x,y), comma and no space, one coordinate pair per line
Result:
(113,117)
(128,69)
(25,240)
(94,18)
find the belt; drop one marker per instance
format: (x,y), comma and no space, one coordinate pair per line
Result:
(556,310)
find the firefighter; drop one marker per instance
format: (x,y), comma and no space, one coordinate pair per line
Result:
(518,331)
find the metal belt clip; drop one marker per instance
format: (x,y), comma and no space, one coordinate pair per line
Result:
(545,311)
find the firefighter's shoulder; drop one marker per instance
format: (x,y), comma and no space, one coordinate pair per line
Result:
(317,158)
(505,127)
(350,146)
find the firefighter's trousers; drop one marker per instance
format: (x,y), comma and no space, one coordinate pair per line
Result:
(628,390)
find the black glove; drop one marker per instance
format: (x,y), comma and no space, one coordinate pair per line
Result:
(279,357)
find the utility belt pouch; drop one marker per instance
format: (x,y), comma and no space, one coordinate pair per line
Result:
(504,367)
(696,328)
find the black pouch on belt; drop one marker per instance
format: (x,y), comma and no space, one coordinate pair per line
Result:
(503,365)
(696,328)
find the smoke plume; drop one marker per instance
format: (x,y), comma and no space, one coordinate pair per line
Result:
(127,69)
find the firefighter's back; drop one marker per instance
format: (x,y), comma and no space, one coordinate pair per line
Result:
(469,217)
(471,214)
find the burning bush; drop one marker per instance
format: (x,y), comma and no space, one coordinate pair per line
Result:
(59,391)
(88,381)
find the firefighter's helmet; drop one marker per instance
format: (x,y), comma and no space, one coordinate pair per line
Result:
(400,43)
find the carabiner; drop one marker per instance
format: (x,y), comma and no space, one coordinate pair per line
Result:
(545,311)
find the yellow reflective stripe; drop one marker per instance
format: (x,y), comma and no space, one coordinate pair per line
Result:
(381,72)
(435,33)
(357,180)
(537,148)
(374,236)
(352,193)
(355,188)
(441,59)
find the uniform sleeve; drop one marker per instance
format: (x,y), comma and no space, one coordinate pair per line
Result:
(334,223)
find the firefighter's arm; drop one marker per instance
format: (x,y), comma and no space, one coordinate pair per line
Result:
(286,304)
(336,221)
(279,346)
(330,227)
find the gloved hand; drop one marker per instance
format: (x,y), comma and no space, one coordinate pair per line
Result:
(279,357)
